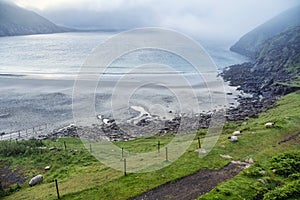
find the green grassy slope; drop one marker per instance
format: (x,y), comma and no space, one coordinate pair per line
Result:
(80,176)
(250,43)
(247,185)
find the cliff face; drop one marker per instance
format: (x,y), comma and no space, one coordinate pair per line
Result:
(250,43)
(269,76)
(277,61)
(18,21)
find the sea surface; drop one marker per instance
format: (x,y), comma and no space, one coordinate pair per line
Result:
(64,53)
(37,74)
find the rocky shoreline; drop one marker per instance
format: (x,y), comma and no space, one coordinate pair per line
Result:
(264,90)
(261,83)
(258,92)
(114,132)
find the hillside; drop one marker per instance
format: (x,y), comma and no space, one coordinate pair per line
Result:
(81,176)
(250,43)
(278,61)
(18,21)
(274,72)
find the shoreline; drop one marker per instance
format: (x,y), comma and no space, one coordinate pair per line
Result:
(263,93)
(28,103)
(248,106)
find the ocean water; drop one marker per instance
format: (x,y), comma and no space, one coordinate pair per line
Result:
(50,54)
(60,55)
(37,74)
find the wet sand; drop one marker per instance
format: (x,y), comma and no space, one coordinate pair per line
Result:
(29,101)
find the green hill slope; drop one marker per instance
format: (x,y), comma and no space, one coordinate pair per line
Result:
(250,43)
(18,21)
(278,61)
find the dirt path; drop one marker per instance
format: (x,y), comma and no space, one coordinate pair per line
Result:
(293,137)
(193,186)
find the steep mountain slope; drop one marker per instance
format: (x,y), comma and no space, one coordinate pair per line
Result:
(280,54)
(18,21)
(277,61)
(250,43)
(274,72)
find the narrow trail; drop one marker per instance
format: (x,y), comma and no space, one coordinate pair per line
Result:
(192,186)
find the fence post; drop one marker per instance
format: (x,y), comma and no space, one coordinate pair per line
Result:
(167,154)
(57,191)
(199,144)
(125,167)
(65,145)
(158,146)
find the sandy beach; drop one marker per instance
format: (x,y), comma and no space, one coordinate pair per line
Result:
(28,101)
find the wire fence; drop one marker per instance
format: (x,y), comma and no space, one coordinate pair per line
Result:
(34,132)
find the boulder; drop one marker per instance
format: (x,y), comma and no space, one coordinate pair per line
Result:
(244,123)
(249,160)
(201,150)
(226,156)
(244,164)
(262,181)
(263,172)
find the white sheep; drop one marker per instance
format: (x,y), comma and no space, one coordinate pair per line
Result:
(35,180)
(108,121)
(269,124)
(237,133)
(233,138)
(105,121)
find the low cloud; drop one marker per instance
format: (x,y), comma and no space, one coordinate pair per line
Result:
(211,18)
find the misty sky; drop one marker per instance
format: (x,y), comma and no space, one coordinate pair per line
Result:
(203,18)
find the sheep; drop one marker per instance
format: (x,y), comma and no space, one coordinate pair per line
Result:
(35,180)
(105,121)
(269,124)
(237,133)
(108,121)
(233,138)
